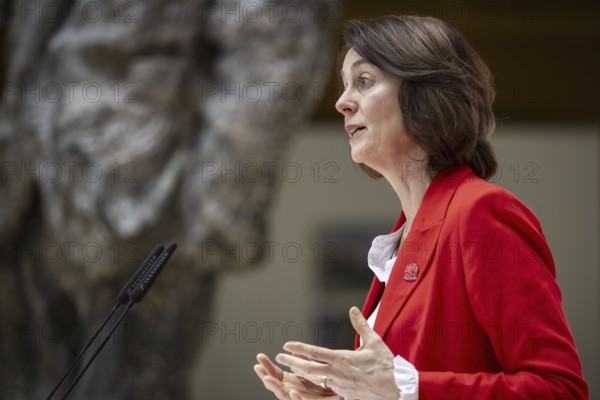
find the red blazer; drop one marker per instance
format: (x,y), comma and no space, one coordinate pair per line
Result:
(480,317)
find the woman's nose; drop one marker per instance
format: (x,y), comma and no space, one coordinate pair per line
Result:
(345,104)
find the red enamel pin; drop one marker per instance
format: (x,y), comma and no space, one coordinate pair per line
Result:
(410,272)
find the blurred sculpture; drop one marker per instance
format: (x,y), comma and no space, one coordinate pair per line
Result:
(125,124)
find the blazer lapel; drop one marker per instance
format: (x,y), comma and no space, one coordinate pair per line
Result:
(419,247)
(377,287)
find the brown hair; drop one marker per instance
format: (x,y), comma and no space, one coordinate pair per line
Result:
(446,91)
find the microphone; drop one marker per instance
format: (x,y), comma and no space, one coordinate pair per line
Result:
(124,295)
(144,276)
(150,277)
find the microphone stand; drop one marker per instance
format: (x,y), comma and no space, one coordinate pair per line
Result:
(83,350)
(133,292)
(87,365)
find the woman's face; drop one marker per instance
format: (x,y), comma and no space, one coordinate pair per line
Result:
(372,116)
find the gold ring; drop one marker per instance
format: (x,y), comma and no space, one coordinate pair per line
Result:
(324,382)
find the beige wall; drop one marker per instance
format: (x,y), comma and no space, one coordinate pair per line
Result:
(258,309)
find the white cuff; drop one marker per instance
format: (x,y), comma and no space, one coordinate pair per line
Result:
(407,379)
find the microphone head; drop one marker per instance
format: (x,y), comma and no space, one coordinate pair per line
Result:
(125,295)
(150,276)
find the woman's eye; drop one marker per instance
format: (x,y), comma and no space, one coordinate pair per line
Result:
(363,81)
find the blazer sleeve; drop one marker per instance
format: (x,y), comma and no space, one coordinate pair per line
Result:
(511,286)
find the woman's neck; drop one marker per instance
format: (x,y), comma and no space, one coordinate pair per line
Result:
(410,180)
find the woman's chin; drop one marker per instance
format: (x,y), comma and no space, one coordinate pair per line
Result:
(357,156)
(359,159)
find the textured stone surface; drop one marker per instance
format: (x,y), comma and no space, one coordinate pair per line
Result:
(118,124)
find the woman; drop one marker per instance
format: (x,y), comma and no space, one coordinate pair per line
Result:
(464,303)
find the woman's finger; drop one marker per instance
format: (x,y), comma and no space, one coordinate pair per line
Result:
(271,368)
(361,326)
(311,352)
(300,356)
(301,366)
(295,396)
(260,371)
(277,387)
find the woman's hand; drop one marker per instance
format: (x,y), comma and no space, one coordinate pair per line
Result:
(366,373)
(288,386)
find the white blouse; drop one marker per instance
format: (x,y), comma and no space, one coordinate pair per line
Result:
(381,259)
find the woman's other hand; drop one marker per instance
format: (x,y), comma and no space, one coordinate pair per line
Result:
(366,373)
(288,386)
